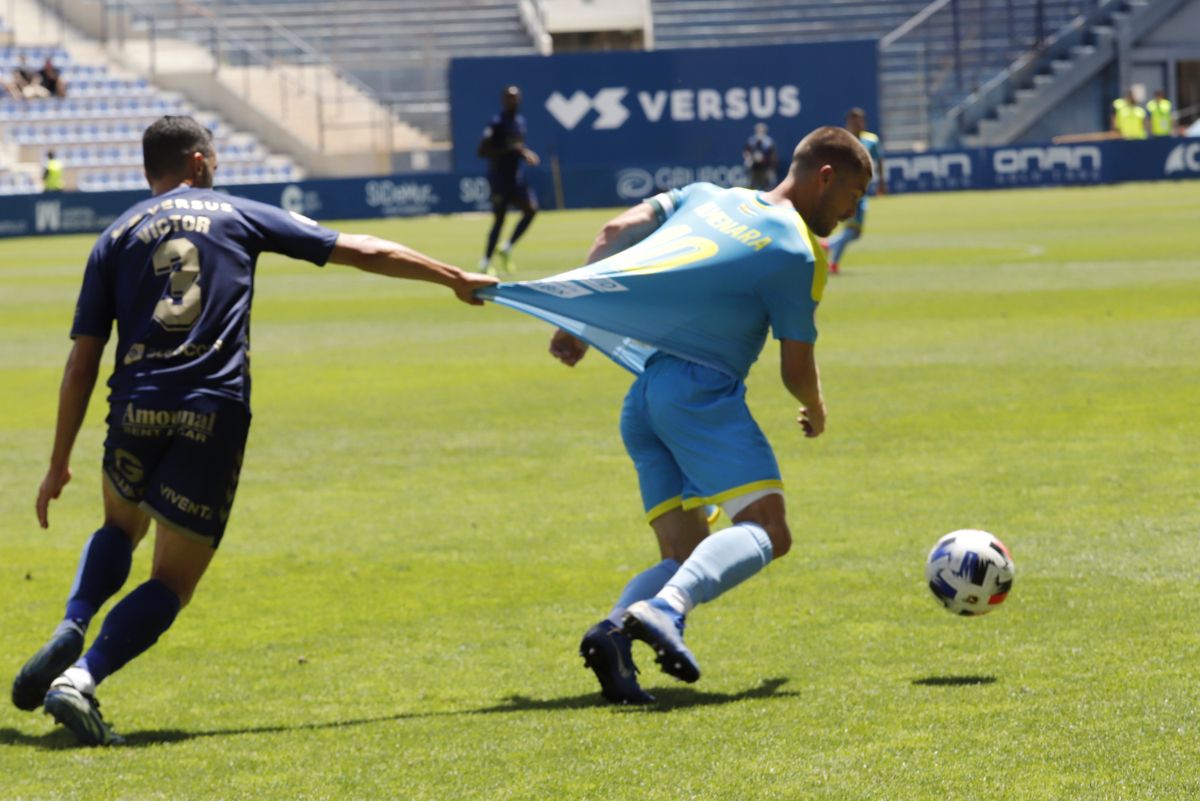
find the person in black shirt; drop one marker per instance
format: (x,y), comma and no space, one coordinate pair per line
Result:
(503,145)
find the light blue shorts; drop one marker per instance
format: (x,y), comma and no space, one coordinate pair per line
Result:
(860,214)
(692,438)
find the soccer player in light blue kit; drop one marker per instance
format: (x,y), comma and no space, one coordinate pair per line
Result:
(856,123)
(176,273)
(681,290)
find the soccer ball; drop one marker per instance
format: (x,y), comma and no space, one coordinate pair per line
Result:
(970,572)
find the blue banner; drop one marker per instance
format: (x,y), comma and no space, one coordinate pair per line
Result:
(690,106)
(1079,164)
(624,184)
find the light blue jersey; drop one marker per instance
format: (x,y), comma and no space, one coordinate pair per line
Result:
(722,268)
(875,150)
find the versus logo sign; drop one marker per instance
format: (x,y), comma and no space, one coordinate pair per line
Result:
(676,105)
(611,113)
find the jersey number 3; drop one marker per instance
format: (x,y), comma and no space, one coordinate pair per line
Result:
(179,307)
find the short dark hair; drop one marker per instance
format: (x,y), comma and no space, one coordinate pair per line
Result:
(170,141)
(834,146)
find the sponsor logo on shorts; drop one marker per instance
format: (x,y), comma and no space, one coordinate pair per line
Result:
(157,422)
(185,504)
(127,474)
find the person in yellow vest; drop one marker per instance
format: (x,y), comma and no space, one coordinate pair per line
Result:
(1128,118)
(1160,114)
(52,177)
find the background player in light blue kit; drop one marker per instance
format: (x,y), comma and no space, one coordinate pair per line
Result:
(856,123)
(681,290)
(176,273)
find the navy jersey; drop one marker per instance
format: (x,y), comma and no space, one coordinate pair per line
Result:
(506,133)
(176,272)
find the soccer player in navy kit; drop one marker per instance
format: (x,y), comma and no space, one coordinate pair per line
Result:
(503,145)
(681,290)
(176,273)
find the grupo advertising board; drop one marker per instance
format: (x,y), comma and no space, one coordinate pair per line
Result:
(663,106)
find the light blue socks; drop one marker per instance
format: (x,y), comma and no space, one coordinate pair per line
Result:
(643,586)
(722,561)
(838,244)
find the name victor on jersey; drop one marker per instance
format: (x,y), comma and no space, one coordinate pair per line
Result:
(163,225)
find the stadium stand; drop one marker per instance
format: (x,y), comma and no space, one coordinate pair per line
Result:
(724,23)
(398,49)
(96,130)
(938,59)
(936,56)
(320,85)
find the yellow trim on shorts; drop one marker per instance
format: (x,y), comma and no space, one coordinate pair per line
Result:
(663,508)
(745,489)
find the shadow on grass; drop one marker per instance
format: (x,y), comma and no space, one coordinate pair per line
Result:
(953,681)
(668,699)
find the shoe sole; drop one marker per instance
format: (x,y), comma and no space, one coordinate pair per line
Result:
(590,651)
(33,681)
(671,662)
(87,730)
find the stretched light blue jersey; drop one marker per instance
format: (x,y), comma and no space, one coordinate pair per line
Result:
(723,267)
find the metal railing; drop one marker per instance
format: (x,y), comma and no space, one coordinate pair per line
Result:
(952,47)
(304,72)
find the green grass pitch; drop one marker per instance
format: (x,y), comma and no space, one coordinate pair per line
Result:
(432,511)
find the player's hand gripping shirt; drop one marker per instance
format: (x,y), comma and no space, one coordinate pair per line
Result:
(723,266)
(176,272)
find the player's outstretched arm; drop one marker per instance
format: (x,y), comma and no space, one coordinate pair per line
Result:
(625,230)
(798,366)
(79,378)
(381,256)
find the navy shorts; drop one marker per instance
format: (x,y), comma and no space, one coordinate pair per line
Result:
(511,191)
(179,461)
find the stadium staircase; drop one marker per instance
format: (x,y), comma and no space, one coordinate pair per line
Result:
(96,129)
(330,80)
(1016,97)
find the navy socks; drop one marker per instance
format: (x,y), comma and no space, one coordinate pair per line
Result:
(103,568)
(132,626)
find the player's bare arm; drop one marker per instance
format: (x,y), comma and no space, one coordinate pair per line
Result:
(798,367)
(384,257)
(623,231)
(79,378)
